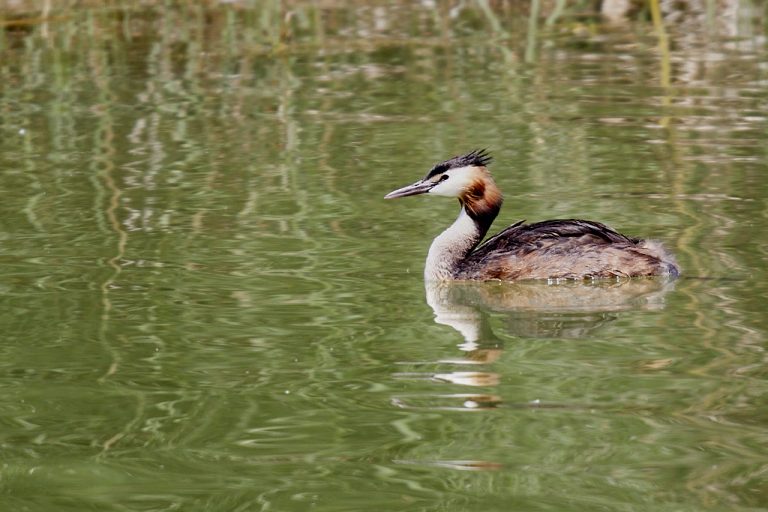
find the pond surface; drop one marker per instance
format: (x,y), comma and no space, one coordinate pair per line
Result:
(207,304)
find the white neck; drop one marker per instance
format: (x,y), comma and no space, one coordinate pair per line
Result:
(451,247)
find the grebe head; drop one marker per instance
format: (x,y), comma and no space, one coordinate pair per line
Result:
(460,177)
(466,178)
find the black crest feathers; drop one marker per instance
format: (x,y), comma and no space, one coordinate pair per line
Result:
(477,157)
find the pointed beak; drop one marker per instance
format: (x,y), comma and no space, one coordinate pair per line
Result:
(420,187)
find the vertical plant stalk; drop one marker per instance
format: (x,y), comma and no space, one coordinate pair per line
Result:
(533,20)
(686,241)
(666,64)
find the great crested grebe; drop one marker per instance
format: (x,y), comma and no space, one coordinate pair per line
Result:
(552,249)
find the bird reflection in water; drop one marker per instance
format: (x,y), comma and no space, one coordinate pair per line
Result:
(532,309)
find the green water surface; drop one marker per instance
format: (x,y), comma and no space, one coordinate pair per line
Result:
(206,304)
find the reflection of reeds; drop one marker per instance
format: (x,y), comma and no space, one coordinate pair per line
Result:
(264,112)
(266,60)
(256,137)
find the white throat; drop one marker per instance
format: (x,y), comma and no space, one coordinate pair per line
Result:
(451,247)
